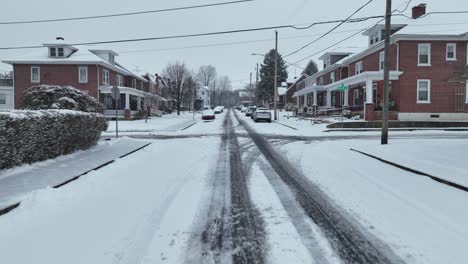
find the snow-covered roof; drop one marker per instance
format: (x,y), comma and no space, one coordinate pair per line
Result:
(282,90)
(82,56)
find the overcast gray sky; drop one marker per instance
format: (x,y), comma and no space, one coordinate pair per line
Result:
(233,60)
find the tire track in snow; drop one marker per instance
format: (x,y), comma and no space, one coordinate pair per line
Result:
(349,240)
(233,231)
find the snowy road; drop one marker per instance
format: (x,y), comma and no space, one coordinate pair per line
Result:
(227,192)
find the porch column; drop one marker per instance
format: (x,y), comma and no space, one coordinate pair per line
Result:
(369,90)
(127,101)
(346,96)
(369,114)
(329,103)
(138,103)
(315,98)
(297,101)
(305,100)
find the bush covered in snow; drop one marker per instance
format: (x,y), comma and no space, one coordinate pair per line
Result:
(60,97)
(30,136)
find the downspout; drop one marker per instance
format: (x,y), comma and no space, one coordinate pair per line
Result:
(14,89)
(398,57)
(97,72)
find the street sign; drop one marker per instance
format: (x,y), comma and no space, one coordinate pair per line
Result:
(342,88)
(115,92)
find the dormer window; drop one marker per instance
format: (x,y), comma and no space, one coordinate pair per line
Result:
(56,52)
(111,59)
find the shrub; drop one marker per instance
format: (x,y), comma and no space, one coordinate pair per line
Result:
(31,136)
(60,97)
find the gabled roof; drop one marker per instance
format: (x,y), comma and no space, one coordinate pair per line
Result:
(85,55)
(298,79)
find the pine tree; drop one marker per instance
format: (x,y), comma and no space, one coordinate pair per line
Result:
(311,68)
(265,90)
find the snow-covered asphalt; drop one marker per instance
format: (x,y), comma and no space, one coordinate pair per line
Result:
(226,191)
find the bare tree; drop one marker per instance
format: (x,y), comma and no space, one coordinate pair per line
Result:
(178,76)
(206,75)
(224,89)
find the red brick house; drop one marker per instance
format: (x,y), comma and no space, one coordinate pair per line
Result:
(428,74)
(94,71)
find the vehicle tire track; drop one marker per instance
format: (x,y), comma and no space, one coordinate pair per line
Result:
(349,240)
(233,231)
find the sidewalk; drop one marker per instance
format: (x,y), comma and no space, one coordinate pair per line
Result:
(19,181)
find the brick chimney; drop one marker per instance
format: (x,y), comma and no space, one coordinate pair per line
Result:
(419,11)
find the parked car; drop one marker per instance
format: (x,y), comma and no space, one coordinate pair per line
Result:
(244,109)
(208,113)
(218,110)
(250,110)
(262,114)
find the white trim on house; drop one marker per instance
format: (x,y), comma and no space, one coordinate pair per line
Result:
(454,51)
(83,76)
(420,53)
(428,101)
(38,80)
(332,77)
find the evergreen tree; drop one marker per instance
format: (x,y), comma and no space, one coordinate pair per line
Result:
(265,90)
(311,68)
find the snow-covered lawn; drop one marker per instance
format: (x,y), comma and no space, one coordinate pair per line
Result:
(19,181)
(140,209)
(422,220)
(169,123)
(305,127)
(445,159)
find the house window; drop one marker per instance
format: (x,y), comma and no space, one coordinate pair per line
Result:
(356,97)
(83,74)
(424,54)
(35,74)
(56,52)
(424,91)
(142,86)
(105,76)
(358,68)
(451,51)
(120,80)
(466,92)
(2,99)
(381,60)
(321,80)
(332,77)
(134,85)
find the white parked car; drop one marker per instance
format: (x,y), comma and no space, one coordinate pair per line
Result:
(218,110)
(208,113)
(262,114)
(244,109)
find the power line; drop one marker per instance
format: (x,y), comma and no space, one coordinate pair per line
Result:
(122,14)
(189,35)
(331,30)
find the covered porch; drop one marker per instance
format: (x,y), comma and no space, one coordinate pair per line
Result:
(132,103)
(357,93)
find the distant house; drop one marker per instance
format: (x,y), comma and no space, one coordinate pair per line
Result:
(428,74)
(94,71)
(203,97)
(6,91)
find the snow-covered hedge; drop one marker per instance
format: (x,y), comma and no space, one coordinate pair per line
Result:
(60,97)
(30,136)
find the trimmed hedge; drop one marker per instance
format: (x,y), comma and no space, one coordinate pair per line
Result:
(60,97)
(31,136)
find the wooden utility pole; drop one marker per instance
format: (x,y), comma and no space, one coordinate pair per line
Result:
(256,85)
(388,15)
(275,99)
(250,87)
